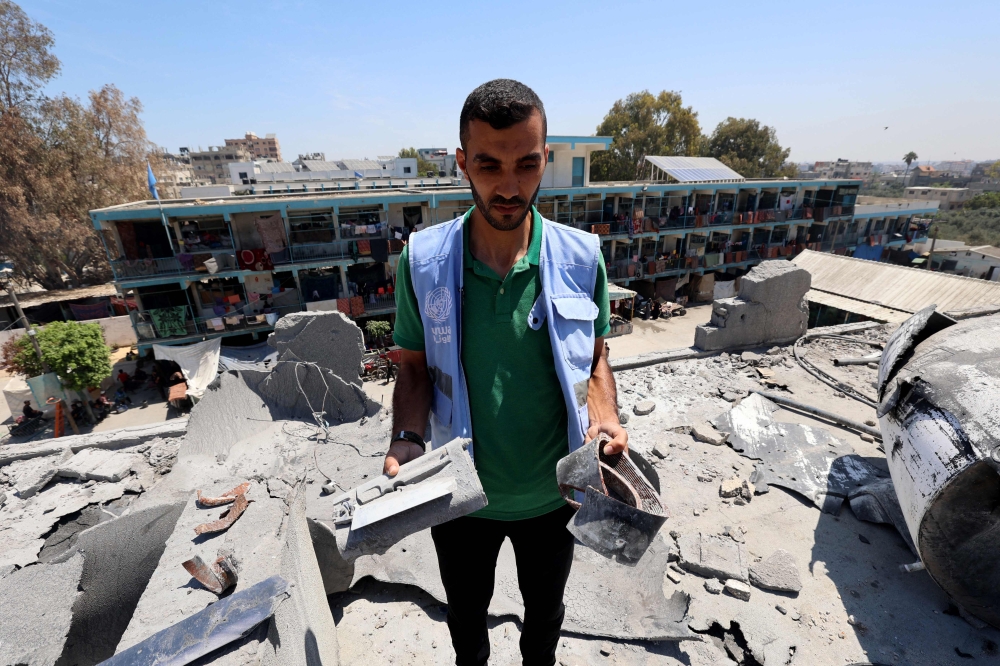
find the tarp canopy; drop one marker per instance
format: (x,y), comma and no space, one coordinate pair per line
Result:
(616,293)
(16,392)
(199,363)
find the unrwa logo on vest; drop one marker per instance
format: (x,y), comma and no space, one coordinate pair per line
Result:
(437,304)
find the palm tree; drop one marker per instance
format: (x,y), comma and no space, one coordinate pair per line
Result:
(909,158)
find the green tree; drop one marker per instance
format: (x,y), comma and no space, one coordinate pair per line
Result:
(76,352)
(424,168)
(909,158)
(26,60)
(18,357)
(644,124)
(749,148)
(984,200)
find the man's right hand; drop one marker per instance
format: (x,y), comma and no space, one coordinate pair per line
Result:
(400,452)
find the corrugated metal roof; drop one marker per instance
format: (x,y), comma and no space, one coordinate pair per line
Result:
(276,167)
(895,287)
(869,310)
(33,298)
(360,165)
(694,169)
(317,165)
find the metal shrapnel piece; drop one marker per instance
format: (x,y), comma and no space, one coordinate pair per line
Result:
(217,577)
(619,509)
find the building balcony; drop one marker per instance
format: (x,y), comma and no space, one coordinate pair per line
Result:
(201,263)
(179,323)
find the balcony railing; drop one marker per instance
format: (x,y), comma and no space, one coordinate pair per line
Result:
(159,325)
(182,264)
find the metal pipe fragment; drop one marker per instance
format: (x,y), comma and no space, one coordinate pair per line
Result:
(857,360)
(217,577)
(227,518)
(830,416)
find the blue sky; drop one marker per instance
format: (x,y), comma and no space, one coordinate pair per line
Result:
(360,79)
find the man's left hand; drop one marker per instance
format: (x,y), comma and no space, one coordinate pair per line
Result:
(614,430)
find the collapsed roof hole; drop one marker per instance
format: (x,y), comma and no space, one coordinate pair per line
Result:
(732,642)
(62,536)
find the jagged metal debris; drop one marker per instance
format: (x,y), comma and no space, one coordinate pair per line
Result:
(227,518)
(216,577)
(219,624)
(621,510)
(807,460)
(227,497)
(939,386)
(436,487)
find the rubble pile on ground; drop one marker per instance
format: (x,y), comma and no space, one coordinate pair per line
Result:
(756,564)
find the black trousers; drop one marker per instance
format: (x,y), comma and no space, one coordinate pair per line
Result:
(467,550)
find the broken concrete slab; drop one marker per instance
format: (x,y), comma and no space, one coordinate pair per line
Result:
(35,473)
(98,465)
(643,407)
(228,412)
(713,556)
(106,439)
(296,390)
(119,555)
(778,572)
(770,308)
(714,586)
(736,487)
(738,589)
(36,605)
(303,630)
(704,432)
(311,336)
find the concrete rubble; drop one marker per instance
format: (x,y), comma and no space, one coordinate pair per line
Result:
(770,308)
(788,577)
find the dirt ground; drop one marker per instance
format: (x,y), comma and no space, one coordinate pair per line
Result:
(651,336)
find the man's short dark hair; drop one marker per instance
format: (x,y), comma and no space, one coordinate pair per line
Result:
(502,103)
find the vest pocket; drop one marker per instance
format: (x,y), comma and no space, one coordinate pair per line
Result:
(575,327)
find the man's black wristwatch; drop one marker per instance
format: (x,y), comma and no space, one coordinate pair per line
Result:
(409,436)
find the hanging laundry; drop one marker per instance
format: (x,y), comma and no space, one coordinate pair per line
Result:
(380,249)
(272,232)
(255,260)
(89,311)
(169,322)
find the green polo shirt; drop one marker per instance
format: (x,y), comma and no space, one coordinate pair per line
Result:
(518,413)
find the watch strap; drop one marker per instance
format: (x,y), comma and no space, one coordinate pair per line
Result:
(409,436)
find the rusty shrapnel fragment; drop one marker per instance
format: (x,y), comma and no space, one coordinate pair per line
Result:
(939,411)
(216,577)
(619,508)
(227,497)
(228,517)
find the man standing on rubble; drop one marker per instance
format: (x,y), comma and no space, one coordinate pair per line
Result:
(502,316)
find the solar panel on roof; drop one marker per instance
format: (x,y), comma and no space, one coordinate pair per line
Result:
(694,169)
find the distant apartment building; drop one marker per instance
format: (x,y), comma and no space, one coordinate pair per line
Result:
(843,169)
(922,175)
(948,198)
(440,157)
(296,239)
(957,168)
(212,165)
(267,148)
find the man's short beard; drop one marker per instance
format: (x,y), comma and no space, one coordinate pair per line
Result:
(503,224)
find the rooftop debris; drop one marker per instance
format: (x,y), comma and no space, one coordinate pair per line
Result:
(227,518)
(227,497)
(939,391)
(216,577)
(227,620)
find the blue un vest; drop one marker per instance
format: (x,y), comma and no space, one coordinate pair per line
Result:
(567,268)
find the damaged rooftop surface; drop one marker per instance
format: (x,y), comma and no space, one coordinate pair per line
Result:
(783,544)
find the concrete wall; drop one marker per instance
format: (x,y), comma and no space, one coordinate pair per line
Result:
(559,172)
(118,331)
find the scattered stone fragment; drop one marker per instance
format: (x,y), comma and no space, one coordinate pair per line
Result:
(730,397)
(870,422)
(623,417)
(98,465)
(713,586)
(749,357)
(607,648)
(774,351)
(703,432)
(738,589)
(704,478)
(672,575)
(713,556)
(659,450)
(644,407)
(865,437)
(863,538)
(36,473)
(737,488)
(781,609)
(778,572)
